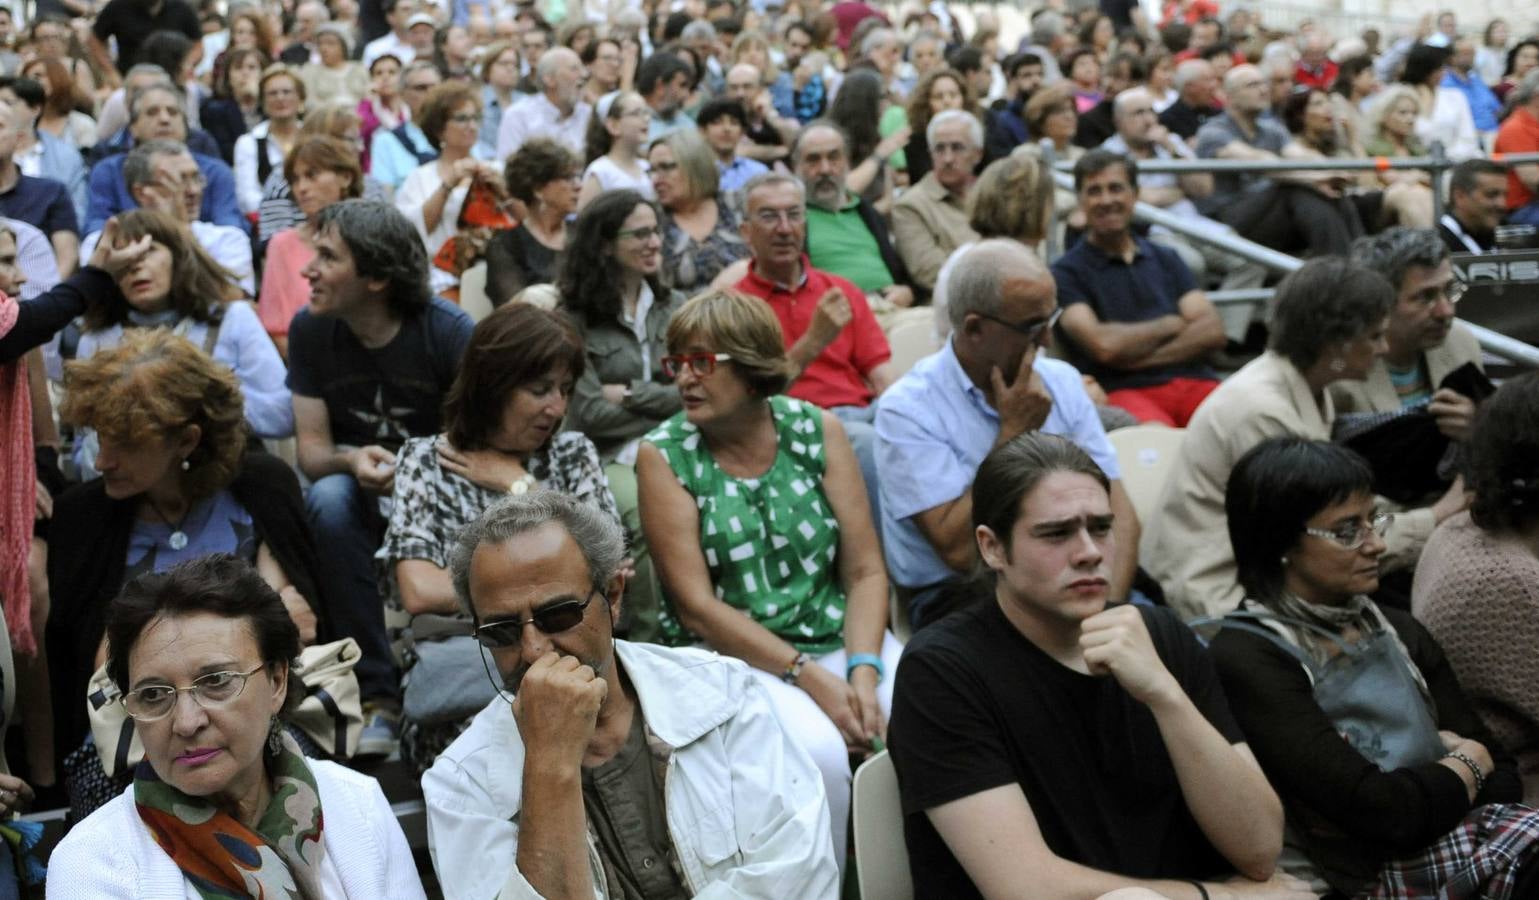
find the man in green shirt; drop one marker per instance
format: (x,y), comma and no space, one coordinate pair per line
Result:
(845,234)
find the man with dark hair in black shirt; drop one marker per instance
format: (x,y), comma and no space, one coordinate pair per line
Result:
(131,21)
(1041,738)
(1196,84)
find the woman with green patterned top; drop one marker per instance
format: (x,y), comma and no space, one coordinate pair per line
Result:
(756,513)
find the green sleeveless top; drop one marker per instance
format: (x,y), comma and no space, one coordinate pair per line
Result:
(771,543)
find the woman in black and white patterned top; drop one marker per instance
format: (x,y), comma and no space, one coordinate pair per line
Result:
(502,419)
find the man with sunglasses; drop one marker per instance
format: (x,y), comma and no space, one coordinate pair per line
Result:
(607,768)
(1134,318)
(988,384)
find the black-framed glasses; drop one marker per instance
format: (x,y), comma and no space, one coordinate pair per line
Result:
(215,690)
(701,364)
(1353,535)
(1031,329)
(552,619)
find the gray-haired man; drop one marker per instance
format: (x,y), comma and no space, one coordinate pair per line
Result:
(606,768)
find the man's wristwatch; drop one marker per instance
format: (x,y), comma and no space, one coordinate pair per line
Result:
(794,670)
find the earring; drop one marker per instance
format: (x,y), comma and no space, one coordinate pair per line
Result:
(186,465)
(1338,365)
(274,737)
(1285,560)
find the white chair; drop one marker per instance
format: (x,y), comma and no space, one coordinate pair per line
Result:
(1146,454)
(473,299)
(911,339)
(881,857)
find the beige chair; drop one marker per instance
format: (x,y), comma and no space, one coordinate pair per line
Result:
(473,299)
(881,857)
(1146,453)
(912,339)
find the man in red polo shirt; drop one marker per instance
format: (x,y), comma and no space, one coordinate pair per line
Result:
(833,340)
(1520,134)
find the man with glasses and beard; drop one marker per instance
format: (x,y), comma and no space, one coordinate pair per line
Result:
(608,768)
(989,383)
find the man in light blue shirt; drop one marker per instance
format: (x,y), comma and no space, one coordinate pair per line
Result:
(987,385)
(395,153)
(1462,77)
(722,122)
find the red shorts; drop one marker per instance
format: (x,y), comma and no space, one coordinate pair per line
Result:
(1171,403)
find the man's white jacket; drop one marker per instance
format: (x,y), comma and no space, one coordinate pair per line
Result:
(745,805)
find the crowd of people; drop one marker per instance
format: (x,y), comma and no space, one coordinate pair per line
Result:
(523,371)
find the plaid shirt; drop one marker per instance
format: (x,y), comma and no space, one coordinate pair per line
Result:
(1483,857)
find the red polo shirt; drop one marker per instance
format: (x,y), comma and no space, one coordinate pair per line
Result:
(837,377)
(1519,134)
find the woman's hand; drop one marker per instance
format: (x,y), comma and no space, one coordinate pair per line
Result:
(863,681)
(115,260)
(374,468)
(299,610)
(42,504)
(15,796)
(838,702)
(615,393)
(483,468)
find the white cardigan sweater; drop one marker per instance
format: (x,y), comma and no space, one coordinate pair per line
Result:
(111,853)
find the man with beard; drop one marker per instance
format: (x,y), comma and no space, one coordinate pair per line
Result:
(614,769)
(663,81)
(845,233)
(557,112)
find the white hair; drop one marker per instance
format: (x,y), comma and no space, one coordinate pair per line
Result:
(974,127)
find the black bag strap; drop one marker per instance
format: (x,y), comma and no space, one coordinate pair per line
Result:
(423,156)
(264,165)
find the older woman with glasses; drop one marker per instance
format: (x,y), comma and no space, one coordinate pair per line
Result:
(757,519)
(262,149)
(700,226)
(224,803)
(544,176)
(1383,766)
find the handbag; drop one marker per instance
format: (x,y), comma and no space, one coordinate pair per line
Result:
(449,680)
(331,712)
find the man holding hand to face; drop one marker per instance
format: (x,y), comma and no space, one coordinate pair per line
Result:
(606,768)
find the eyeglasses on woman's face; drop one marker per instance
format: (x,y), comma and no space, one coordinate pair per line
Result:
(699,364)
(552,619)
(1353,535)
(216,690)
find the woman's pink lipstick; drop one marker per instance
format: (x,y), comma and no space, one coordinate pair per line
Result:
(198,756)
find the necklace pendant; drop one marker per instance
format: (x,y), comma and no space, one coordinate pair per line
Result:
(178,540)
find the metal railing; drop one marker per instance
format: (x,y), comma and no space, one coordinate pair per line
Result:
(1492,342)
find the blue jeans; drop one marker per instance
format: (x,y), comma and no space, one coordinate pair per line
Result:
(858,425)
(349,528)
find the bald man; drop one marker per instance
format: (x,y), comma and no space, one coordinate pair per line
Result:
(557,112)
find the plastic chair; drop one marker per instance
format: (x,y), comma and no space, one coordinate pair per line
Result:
(911,340)
(1146,454)
(473,299)
(881,857)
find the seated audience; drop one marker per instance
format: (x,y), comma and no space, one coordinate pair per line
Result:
(59,117)
(930,219)
(616,134)
(860,108)
(846,236)
(235,107)
(278,210)
(178,286)
(556,110)
(1124,73)
(701,225)
(1520,134)
(320,171)
(723,122)
(1196,86)
(1290,211)
(936,92)
(937,422)
(43,203)
(155,113)
(178,483)
(499,73)
(1477,584)
(1013,200)
(1460,76)
(1019,721)
(768,134)
(1051,117)
(611,288)
(1444,115)
(335,75)
(1521,59)
(224,801)
(370,361)
(1133,317)
(1477,201)
(542,175)
(385,106)
(434,196)
(502,434)
(1390,126)
(754,511)
(1328,324)
(395,152)
(574,804)
(1381,199)
(1354,713)
(164,177)
(1006,121)
(40,154)
(261,150)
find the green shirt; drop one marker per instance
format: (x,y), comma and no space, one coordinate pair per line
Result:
(771,543)
(839,242)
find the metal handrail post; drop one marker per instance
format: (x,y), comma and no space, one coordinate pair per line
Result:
(1439,163)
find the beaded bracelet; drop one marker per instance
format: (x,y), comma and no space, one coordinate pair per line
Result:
(1480,780)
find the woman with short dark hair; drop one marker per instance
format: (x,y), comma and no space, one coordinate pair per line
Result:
(503,434)
(1353,711)
(545,177)
(224,803)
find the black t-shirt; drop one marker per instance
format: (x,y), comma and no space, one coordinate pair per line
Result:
(977,706)
(1120,12)
(381,396)
(130,21)
(1185,121)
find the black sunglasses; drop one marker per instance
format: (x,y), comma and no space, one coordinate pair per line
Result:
(552,619)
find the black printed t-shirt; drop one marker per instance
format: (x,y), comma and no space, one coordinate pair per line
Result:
(977,706)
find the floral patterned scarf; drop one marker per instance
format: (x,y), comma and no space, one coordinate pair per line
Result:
(224,859)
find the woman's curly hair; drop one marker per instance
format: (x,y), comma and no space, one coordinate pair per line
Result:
(153,385)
